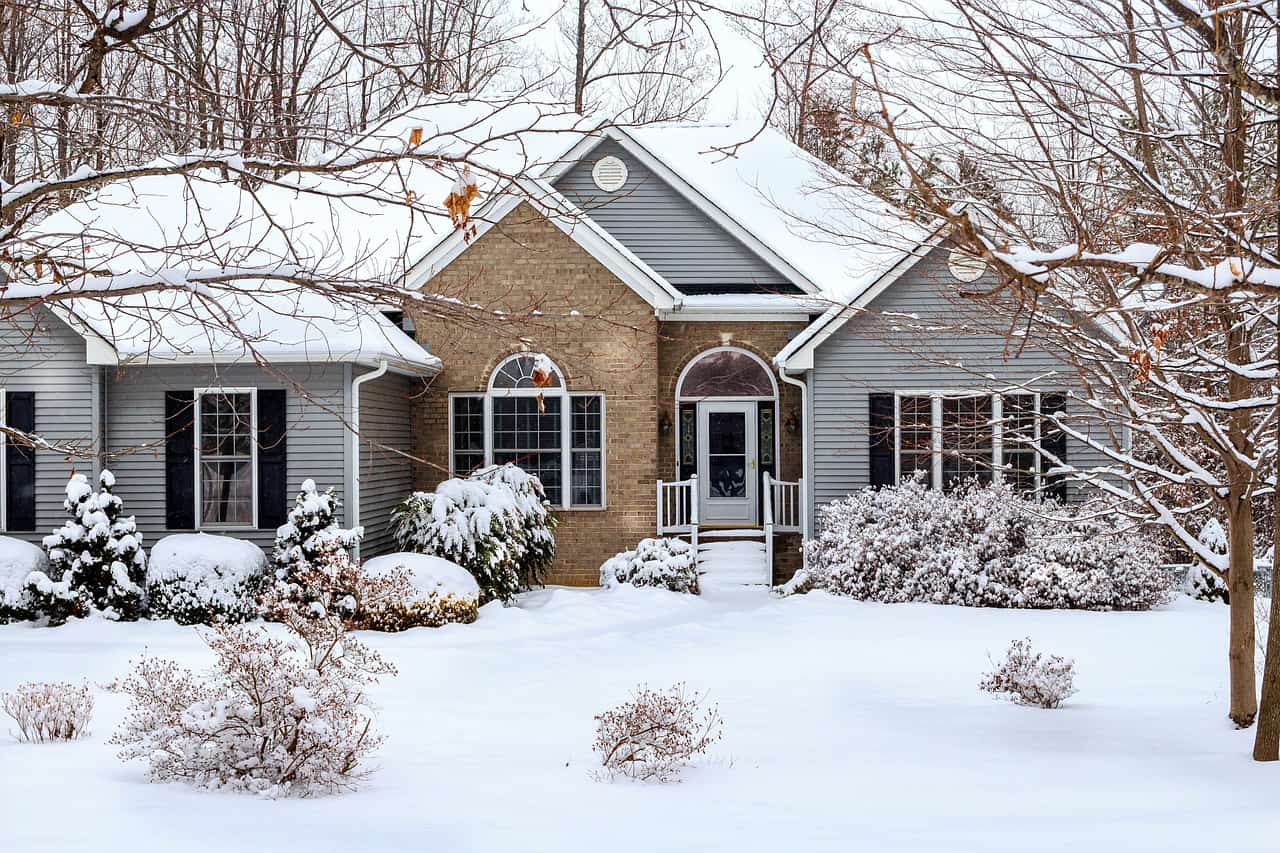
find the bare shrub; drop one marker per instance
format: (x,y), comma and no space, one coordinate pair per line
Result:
(1030,678)
(51,711)
(277,717)
(656,734)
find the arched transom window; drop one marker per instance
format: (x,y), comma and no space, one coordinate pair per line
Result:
(529,417)
(726,372)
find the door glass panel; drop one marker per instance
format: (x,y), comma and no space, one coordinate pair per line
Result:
(727,454)
(728,476)
(726,432)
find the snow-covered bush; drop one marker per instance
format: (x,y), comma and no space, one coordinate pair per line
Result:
(1030,678)
(195,578)
(439,593)
(312,528)
(656,734)
(276,717)
(668,563)
(18,560)
(96,561)
(982,546)
(496,524)
(537,521)
(47,712)
(1203,582)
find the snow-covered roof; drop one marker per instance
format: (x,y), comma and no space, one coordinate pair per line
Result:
(840,238)
(831,239)
(207,239)
(270,323)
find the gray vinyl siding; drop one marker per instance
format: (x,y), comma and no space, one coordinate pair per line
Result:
(386,477)
(876,352)
(668,232)
(43,355)
(135,418)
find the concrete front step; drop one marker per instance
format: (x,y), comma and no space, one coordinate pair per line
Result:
(733,563)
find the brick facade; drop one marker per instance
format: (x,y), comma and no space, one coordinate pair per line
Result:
(613,344)
(526,264)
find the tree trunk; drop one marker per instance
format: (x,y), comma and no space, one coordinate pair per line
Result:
(580,59)
(1266,740)
(1240,648)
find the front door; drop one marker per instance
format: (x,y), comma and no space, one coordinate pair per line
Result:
(727,472)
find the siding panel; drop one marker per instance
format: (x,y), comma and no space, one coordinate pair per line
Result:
(135,417)
(668,232)
(43,355)
(880,351)
(386,477)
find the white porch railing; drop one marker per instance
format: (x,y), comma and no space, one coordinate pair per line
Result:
(784,510)
(678,509)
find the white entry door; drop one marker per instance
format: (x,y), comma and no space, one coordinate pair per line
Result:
(727,469)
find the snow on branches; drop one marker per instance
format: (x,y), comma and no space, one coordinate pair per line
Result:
(981,546)
(96,561)
(274,717)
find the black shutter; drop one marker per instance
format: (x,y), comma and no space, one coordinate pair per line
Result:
(880,407)
(273,460)
(1054,441)
(179,460)
(20,463)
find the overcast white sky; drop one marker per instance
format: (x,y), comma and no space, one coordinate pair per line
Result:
(739,96)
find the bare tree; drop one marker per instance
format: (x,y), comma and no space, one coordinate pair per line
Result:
(1115,164)
(642,60)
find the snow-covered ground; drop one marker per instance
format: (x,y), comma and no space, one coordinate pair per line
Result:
(848,726)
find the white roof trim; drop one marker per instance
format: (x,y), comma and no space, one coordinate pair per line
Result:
(572,222)
(97,349)
(798,354)
(712,210)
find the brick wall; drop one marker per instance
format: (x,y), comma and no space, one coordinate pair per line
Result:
(614,345)
(522,265)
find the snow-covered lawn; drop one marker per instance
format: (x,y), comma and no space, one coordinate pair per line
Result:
(848,726)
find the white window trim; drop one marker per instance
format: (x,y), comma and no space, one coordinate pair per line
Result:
(566,431)
(684,398)
(997,432)
(253,456)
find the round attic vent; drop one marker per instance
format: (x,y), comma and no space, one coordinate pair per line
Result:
(966,267)
(609,173)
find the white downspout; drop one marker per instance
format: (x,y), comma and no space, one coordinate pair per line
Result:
(353,511)
(806,452)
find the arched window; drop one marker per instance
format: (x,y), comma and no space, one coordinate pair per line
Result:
(726,372)
(525,372)
(528,417)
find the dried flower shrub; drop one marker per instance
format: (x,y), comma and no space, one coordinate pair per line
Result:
(656,734)
(276,717)
(1030,678)
(49,711)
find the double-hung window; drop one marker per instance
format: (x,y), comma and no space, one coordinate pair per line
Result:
(226,456)
(529,418)
(953,437)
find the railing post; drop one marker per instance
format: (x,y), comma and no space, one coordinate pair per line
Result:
(768,527)
(659,507)
(693,514)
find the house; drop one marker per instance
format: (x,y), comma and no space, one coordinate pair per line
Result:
(727,338)
(685,331)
